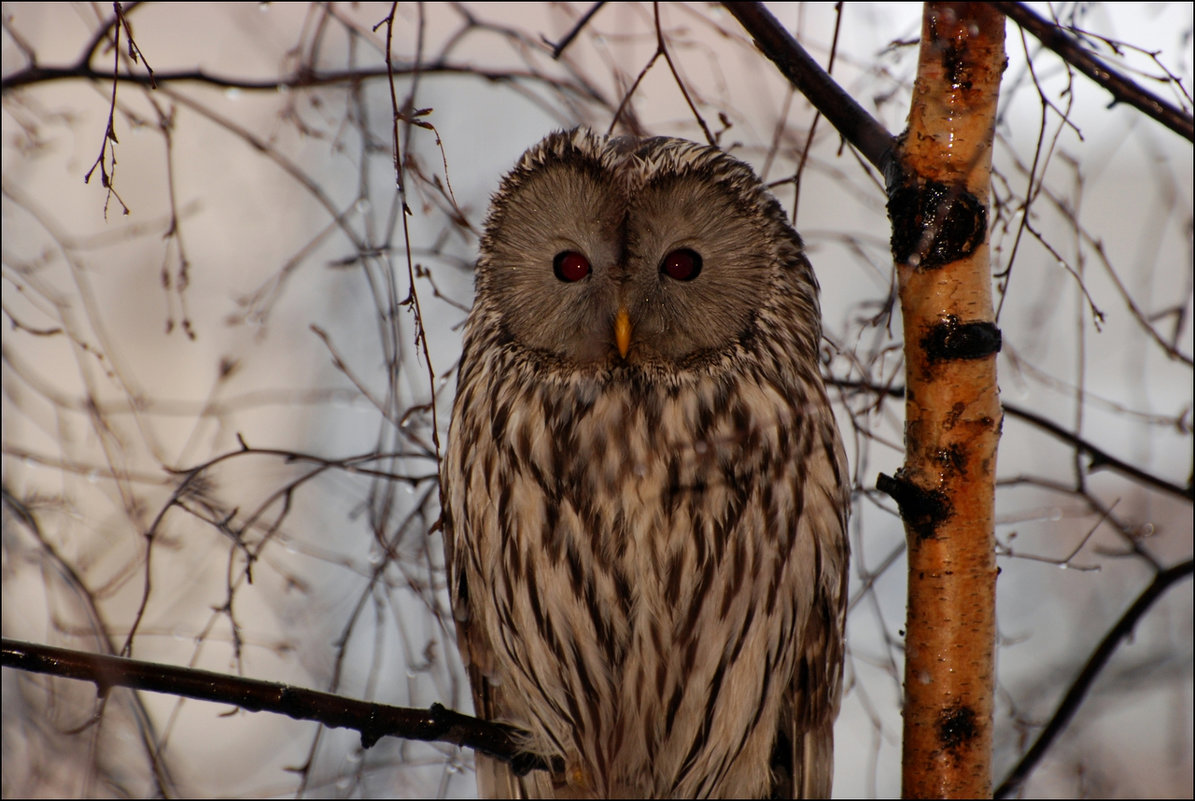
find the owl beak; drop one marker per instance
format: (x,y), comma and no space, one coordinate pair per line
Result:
(622,331)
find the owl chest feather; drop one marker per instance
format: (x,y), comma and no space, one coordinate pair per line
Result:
(647,535)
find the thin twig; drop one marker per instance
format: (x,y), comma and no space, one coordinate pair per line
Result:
(558,49)
(816,117)
(412,299)
(662,47)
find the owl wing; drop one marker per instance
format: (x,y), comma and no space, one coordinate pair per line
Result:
(495,779)
(803,757)
(803,760)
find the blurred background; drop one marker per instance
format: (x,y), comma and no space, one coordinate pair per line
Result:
(221,425)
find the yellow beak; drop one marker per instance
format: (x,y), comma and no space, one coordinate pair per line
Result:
(622,332)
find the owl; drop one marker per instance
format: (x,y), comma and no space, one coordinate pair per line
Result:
(645,493)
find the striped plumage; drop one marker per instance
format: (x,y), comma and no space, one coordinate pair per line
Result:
(646,537)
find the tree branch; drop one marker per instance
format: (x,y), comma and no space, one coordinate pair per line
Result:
(373,721)
(1100,459)
(558,49)
(1095,663)
(863,131)
(303,79)
(1123,89)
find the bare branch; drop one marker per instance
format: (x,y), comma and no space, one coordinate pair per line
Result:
(863,131)
(1123,89)
(1100,458)
(306,79)
(373,721)
(1095,663)
(558,49)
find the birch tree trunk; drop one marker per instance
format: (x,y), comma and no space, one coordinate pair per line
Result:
(946,489)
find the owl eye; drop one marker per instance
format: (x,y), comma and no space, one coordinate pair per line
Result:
(682,264)
(570,266)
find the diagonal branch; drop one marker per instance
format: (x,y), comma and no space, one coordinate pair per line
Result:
(558,49)
(863,131)
(1123,89)
(1082,683)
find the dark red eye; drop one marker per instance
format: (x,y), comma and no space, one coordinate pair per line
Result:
(683,265)
(570,266)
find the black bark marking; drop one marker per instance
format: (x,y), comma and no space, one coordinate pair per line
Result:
(957,726)
(934,224)
(922,510)
(950,338)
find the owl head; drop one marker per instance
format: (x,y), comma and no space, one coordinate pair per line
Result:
(616,252)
